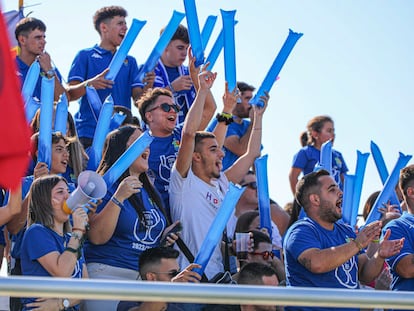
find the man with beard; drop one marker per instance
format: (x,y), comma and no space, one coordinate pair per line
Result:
(320,251)
(197,185)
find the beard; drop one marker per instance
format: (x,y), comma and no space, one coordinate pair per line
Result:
(327,212)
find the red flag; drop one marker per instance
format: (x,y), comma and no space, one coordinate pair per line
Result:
(14,130)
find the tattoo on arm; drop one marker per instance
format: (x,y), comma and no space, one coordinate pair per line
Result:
(306,262)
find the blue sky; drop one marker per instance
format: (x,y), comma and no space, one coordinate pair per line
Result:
(354,63)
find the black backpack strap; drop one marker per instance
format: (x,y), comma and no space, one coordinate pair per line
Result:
(187,253)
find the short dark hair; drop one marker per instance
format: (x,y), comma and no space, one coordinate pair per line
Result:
(260,237)
(27,25)
(180,34)
(308,185)
(106,13)
(152,257)
(253,272)
(148,98)
(243,86)
(406,178)
(200,136)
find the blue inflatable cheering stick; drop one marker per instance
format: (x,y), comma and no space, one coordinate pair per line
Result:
(325,158)
(361,165)
(124,48)
(207,30)
(127,158)
(101,130)
(389,187)
(30,108)
(215,232)
(277,65)
(46,116)
(194,31)
(229,48)
(216,49)
(263,193)
(347,198)
(61,114)
(30,81)
(161,44)
(94,101)
(382,171)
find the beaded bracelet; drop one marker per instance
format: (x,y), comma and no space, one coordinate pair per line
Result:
(117,202)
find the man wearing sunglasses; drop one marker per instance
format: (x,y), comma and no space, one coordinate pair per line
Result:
(159,113)
(159,264)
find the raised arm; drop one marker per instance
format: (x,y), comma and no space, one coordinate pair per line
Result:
(192,122)
(13,207)
(238,145)
(238,170)
(102,225)
(210,104)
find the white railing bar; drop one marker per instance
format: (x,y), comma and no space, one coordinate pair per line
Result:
(202,293)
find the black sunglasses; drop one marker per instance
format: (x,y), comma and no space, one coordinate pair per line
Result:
(265,254)
(171,274)
(251,185)
(166,108)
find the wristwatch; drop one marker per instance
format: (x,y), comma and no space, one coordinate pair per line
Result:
(50,74)
(66,303)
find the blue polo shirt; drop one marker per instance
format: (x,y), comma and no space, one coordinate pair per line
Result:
(87,64)
(23,69)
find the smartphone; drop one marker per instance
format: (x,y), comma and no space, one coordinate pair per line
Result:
(176,229)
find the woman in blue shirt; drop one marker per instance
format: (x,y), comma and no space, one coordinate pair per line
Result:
(129,220)
(60,252)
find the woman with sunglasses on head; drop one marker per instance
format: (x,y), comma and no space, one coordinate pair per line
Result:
(60,252)
(129,220)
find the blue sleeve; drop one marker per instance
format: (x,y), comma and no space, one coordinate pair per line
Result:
(300,159)
(135,82)
(79,68)
(399,230)
(35,249)
(301,238)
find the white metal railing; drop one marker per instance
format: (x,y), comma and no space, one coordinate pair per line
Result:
(202,293)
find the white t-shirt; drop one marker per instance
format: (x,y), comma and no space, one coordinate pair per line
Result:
(195,203)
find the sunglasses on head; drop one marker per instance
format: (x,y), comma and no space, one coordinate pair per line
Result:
(265,254)
(171,274)
(251,185)
(166,108)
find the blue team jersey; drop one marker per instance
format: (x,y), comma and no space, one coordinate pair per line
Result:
(309,156)
(31,250)
(401,227)
(87,64)
(163,78)
(163,153)
(22,73)
(306,234)
(131,237)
